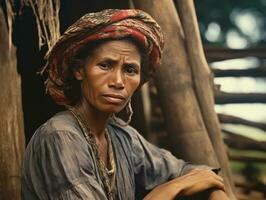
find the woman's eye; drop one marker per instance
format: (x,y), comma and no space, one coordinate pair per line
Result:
(105,66)
(131,70)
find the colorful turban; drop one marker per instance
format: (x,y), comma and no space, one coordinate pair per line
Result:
(107,24)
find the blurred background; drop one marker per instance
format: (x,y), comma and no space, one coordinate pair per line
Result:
(234,38)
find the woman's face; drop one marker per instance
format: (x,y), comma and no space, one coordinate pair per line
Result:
(110,76)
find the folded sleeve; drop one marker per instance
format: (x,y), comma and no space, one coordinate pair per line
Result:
(154,166)
(60,166)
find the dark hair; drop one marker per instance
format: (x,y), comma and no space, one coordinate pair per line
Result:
(71,85)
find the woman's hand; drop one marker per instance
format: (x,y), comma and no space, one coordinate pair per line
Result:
(198,180)
(191,183)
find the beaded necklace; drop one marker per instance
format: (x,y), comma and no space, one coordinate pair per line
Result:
(107,175)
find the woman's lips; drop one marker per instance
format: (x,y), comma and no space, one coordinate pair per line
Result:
(114,98)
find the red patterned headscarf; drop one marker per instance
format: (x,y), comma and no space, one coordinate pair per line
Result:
(107,24)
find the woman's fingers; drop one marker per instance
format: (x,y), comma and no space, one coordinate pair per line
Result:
(193,182)
(198,180)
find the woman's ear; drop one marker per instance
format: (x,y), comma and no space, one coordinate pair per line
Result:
(79,73)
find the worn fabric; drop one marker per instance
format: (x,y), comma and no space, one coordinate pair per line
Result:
(60,164)
(107,24)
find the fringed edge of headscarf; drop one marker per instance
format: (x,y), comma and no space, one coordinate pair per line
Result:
(47,20)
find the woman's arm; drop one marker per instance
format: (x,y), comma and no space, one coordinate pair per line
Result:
(218,195)
(195,181)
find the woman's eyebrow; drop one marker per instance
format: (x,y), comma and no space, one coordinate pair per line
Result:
(116,60)
(135,64)
(109,59)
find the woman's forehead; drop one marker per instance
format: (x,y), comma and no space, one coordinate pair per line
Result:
(118,48)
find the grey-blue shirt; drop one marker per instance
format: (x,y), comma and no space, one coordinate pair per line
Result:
(60,164)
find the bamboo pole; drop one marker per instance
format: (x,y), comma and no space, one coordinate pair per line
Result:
(187,134)
(11,120)
(203,83)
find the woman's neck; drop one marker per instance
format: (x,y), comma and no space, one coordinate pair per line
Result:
(95,119)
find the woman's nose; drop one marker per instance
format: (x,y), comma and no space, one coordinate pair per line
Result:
(117,79)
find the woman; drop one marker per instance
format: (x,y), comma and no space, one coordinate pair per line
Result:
(86,152)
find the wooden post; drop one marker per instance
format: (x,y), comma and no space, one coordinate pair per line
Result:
(11,120)
(203,83)
(187,134)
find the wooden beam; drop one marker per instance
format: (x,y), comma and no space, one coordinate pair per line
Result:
(226,97)
(247,159)
(230,119)
(220,53)
(237,141)
(252,72)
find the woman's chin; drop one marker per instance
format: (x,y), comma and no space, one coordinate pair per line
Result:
(112,109)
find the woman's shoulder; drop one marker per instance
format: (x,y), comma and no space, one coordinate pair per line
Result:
(61,125)
(62,121)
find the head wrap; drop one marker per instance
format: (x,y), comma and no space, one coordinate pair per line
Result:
(107,24)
